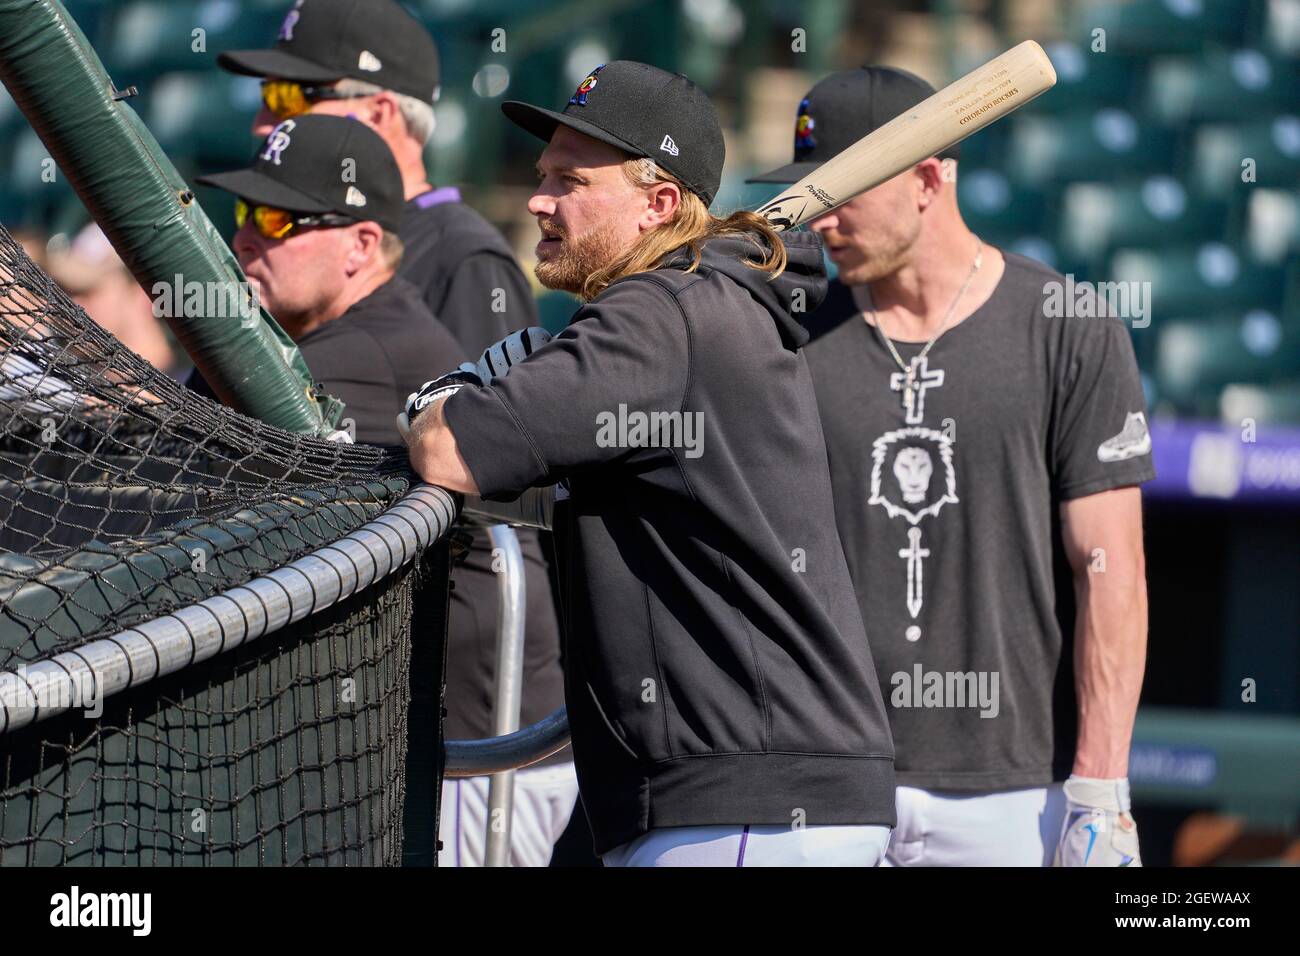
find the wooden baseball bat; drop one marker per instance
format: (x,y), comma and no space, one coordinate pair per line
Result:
(1003,84)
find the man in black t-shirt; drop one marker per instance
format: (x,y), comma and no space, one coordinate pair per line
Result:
(976,430)
(322,251)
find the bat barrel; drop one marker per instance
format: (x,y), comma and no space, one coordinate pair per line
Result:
(999,87)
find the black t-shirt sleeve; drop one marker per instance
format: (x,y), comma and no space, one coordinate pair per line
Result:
(1100,435)
(352,366)
(486,299)
(551,416)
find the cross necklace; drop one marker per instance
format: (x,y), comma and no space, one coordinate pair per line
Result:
(909,370)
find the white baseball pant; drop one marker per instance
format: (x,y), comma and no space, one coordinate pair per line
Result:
(1007,828)
(544,801)
(780,845)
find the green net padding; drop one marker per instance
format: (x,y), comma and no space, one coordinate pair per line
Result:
(124,497)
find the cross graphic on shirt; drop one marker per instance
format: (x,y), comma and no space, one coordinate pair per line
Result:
(914,554)
(913,384)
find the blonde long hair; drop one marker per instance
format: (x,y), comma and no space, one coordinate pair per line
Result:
(692,225)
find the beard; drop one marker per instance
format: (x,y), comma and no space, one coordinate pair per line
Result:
(574,261)
(889,251)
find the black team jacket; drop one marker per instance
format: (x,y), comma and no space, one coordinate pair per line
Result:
(717,669)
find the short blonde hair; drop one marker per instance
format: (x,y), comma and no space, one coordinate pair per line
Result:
(692,225)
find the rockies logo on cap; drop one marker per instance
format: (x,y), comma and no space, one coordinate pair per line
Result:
(803,128)
(579,97)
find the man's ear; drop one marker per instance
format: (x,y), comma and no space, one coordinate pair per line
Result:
(931,178)
(662,202)
(364,250)
(383,112)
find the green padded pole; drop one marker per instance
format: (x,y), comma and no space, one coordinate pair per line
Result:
(149,214)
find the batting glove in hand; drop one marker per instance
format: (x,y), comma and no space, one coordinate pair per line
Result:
(430,392)
(1098,830)
(499,358)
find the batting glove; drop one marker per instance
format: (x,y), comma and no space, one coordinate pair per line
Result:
(499,358)
(1098,830)
(430,392)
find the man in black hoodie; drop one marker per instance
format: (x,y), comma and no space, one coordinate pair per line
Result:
(721,696)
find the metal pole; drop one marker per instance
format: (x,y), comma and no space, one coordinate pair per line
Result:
(508,697)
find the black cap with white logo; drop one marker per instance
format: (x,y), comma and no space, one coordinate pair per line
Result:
(318,164)
(321,41)
(842,109)
(644,111)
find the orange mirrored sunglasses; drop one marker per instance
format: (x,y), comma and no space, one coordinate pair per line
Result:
(275,223)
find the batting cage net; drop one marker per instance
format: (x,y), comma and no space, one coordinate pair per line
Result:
(205,622)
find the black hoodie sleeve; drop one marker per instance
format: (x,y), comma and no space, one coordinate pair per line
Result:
(551,416)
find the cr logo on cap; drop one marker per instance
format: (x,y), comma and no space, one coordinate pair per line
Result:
(579,97)
(290,21)
(278,142)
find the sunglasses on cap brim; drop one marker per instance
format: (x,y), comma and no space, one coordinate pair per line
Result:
(275,223)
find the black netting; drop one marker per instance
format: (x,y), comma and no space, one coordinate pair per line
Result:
(124,496)
(288,751)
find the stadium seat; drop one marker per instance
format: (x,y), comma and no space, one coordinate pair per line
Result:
(990,202)
(204,114)
(1196,358)
(1088,80)
(1218,86)
(26,176)
(1220,151)
(1282,28)
(1105,144)
(1098,218)
(1275,405)
(1164,26)
(1273,224)
(1192,281)
(148,37)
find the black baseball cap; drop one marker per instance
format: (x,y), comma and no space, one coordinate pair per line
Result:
(321,41)
(318,164)
(843,108)
(644,111)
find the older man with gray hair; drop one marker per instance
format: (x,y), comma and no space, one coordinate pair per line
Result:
(373,61)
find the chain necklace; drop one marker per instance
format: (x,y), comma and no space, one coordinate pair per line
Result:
(909,371)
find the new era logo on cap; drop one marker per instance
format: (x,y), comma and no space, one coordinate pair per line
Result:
(355,197)
(669,147)
(369,62)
